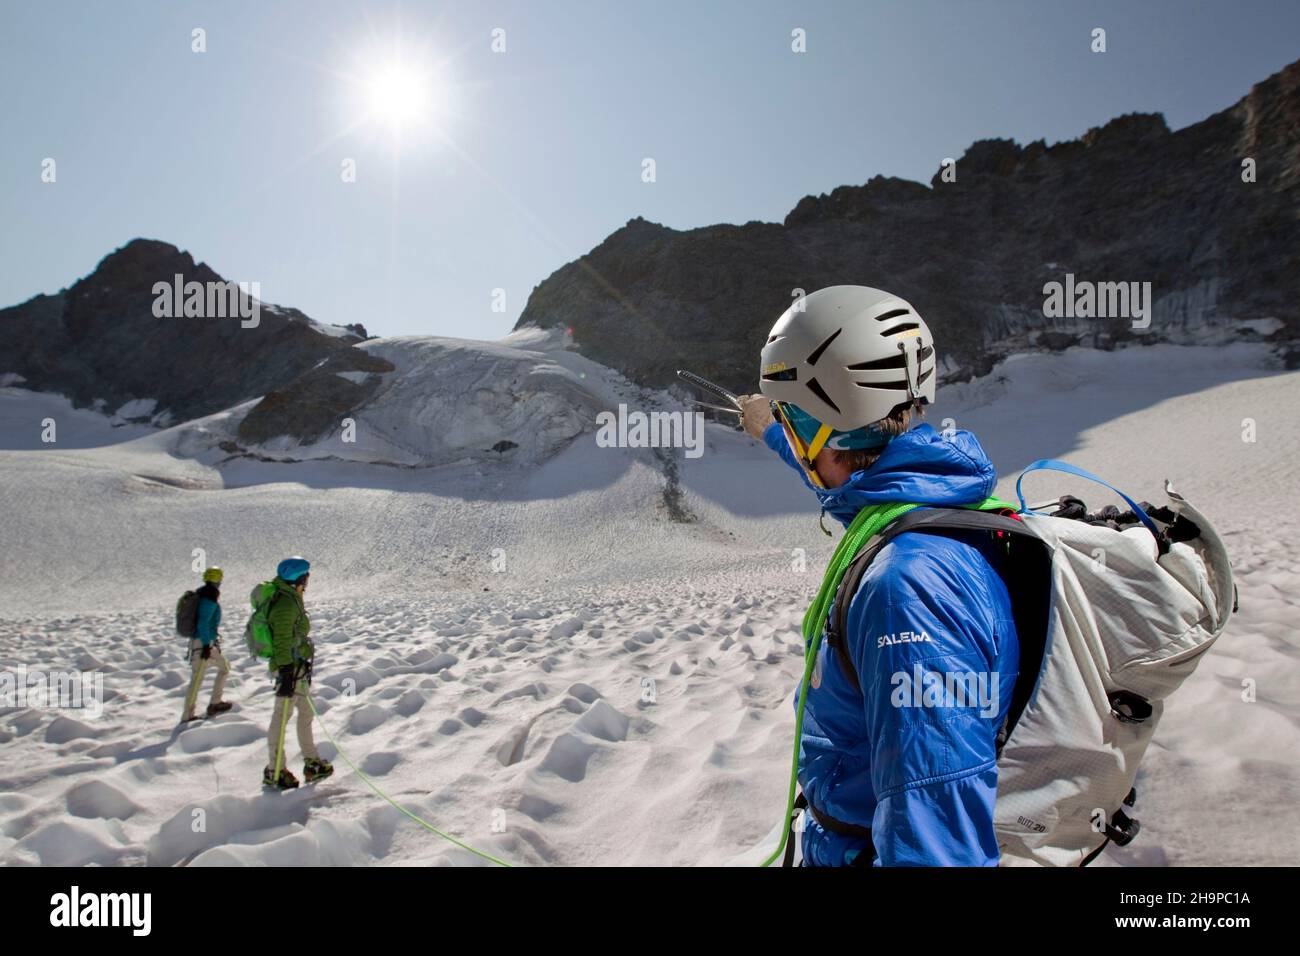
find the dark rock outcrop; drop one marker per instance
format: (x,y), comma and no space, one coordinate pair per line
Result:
(100,340)
(1130,201)
(316,402)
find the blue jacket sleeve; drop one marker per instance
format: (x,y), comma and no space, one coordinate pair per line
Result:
(209,619)
(927,659)
(774,438)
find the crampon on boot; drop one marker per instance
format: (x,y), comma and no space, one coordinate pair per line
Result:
(221,708)
(287,780)
(317,769)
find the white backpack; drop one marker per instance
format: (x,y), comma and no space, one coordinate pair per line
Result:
(1111,622)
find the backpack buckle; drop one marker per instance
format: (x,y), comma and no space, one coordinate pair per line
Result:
(1129,708)
(1122,828)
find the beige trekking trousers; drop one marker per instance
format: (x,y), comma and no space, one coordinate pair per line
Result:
(305,740)
(216,662)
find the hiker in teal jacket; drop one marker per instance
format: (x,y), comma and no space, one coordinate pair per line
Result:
(205,648)
(291,661)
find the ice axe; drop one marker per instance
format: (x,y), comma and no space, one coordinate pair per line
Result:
(703,383)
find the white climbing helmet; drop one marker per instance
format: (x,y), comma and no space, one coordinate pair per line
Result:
(848,355)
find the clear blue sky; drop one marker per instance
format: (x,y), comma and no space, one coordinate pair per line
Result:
(535,155)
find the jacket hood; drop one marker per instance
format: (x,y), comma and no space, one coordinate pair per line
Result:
(920,466)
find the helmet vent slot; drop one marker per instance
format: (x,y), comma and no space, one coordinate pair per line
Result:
(892,314)
(893,361)
(785,375)
(816,389)
(817,353)
(899,383)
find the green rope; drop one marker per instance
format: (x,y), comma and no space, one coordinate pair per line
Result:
(866,525)
(397,806)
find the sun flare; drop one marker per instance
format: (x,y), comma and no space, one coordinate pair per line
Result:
(399,96)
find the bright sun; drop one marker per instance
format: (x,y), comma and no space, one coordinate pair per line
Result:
(399,96)
(400,92)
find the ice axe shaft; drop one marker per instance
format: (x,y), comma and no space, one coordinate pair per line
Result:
(701,382)
(717,408)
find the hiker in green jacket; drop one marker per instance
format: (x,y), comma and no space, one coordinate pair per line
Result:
(291,661)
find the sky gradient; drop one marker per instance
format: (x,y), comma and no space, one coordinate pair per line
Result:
(535,154)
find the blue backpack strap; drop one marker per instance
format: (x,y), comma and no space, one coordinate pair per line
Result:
(1052,464)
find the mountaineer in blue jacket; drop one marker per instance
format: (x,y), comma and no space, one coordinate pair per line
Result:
(897,773)
(205,648)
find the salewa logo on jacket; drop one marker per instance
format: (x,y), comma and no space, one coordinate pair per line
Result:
(903,637)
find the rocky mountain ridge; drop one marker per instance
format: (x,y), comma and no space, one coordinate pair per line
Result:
(1131,201)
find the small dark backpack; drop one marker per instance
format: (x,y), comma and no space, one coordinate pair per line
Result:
(187,614)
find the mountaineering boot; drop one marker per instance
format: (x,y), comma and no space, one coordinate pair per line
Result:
(287,780)
(221,708)
(317,769)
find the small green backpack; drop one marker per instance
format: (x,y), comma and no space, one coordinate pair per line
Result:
(257,634)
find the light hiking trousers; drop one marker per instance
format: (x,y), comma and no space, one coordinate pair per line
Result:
(305,740)
(216,661)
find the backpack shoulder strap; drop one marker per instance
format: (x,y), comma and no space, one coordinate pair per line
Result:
(929,520)
(264,606)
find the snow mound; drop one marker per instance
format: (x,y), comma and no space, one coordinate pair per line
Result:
(77,843)
(94,798)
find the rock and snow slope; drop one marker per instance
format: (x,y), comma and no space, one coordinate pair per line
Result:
(534,697)
(456,400)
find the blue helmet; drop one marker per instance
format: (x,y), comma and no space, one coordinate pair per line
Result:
(291,569)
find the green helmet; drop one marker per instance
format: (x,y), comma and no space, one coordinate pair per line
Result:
(213,576)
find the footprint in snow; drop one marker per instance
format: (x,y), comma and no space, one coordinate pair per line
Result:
(535,690)
(366,719)
(584,692)
(64,729)
(409,703)
(509,750)
(569,752)
(94,798)
(379,763)
(211,735)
